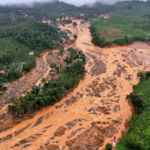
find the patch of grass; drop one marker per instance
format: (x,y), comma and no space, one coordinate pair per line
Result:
(111,33)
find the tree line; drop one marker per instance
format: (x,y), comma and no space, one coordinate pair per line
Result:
(96,39)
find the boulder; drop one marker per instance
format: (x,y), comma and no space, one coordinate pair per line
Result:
(47,142)
(70,142)
(52,147)
(60,131)
(58,106)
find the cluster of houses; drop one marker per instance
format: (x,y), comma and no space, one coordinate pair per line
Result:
(2,72)
(52,72)
(105,16)
(59,30)
(71,36)
(47,21)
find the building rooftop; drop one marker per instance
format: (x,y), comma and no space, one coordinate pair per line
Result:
(31,53)
(52,71)
(79,59)
(2,72)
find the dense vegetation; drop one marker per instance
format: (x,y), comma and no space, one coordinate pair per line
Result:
(139,132)
(37,36)
(108,147)
(16,42)
(52,91)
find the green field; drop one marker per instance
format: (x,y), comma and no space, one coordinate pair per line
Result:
(120,26)
(111,34)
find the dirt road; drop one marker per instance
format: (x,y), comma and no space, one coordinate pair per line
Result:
(96,110)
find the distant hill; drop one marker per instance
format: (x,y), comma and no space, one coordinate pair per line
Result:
(14,14)
(132,8)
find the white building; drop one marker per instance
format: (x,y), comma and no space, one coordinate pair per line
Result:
(6,85)
(79,59)
(31,53)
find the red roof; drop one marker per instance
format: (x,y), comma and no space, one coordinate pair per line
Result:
(2,71)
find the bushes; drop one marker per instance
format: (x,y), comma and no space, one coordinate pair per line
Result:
(61,50)
(143,75)
(66,21)
(133,142)
(108,147)
(53,65)
(74,24)
(136,101)
(82,22)
(127,40)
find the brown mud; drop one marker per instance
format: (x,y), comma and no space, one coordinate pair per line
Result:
(95,111)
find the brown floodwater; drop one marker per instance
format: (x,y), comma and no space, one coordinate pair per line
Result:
(101,65)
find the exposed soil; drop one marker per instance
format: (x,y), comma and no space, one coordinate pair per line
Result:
(95,111)
(111,32)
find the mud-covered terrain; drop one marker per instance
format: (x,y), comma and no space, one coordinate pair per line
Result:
(95,111)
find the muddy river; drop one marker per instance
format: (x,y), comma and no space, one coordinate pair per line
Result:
(95,111)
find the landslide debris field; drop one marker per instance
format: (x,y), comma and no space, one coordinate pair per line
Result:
(96,110)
